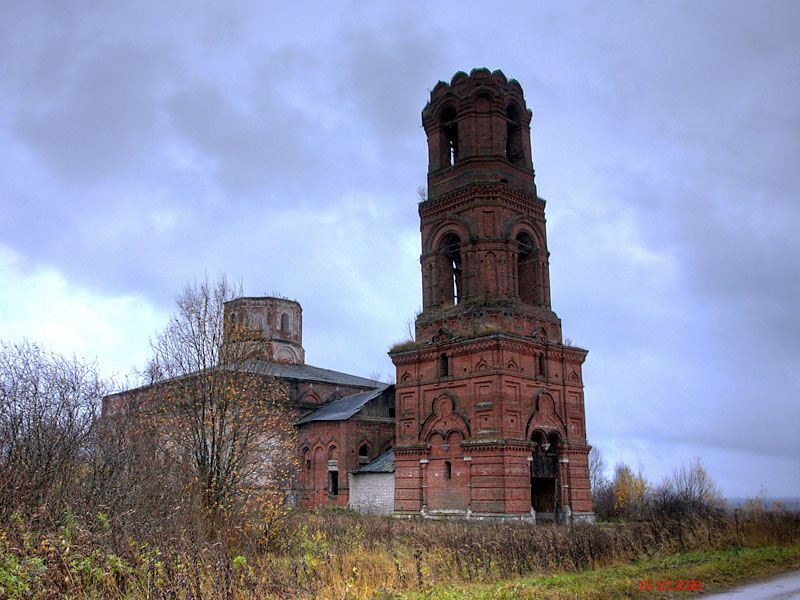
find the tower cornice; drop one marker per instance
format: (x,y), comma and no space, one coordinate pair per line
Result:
(486,191)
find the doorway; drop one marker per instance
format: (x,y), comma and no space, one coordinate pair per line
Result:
(544,494)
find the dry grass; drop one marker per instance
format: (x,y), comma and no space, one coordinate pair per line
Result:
(337,554)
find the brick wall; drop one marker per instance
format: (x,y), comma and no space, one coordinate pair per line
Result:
(315,439)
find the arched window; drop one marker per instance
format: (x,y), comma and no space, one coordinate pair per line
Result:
(515,151)
(363,454)
(448,127)
(285,323)
(448,469)
(526,268)
(307,459)
(542,366)
(450,268)
(333,471)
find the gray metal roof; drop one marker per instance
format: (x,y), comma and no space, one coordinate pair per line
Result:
(342,409)
(306,373)
(382,464)
(299,372)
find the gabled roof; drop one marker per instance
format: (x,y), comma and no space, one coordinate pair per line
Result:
(280,370)
(343,408)
(306,373)
(382,464)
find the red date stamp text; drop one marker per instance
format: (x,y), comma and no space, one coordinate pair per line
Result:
(667,585)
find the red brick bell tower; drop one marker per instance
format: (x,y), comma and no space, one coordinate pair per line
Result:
(490,417)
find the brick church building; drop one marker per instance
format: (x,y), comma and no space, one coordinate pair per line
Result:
(486,419)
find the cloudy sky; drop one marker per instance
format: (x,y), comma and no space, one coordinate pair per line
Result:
(144,144)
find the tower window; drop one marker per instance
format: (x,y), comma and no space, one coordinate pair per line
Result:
(450,269)
(515,151)
(285,323)
(363,454)
(444,365)
(542,366)
(448,470)
(526,269)
(448,128)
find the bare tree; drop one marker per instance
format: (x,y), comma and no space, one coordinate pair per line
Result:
(411,333)
(47,409)
(688,490)
(694,486)
(217,412)
(597,467)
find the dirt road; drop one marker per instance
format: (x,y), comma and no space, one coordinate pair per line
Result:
(784,587)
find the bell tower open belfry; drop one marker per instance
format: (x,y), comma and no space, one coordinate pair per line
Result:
(490,414)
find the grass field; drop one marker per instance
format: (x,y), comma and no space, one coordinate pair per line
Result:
(715,570)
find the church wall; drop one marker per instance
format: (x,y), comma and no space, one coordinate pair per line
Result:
(310,395)
(316,439)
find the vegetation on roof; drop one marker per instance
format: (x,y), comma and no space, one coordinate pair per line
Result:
(405,346)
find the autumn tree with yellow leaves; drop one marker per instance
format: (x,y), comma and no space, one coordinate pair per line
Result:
(217,413)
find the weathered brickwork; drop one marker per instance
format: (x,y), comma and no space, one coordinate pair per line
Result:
(275,327)
(328,447)
(490,415)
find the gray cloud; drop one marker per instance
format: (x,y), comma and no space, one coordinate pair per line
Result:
(146,144)
(248,149)
(94,125)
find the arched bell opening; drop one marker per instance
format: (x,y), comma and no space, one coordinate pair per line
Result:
(448,137)
(527,280)
(515,149)
(450,269)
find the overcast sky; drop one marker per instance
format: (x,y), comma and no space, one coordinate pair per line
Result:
(143,144)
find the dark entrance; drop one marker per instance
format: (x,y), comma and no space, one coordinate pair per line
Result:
(543,494)
(544,474)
